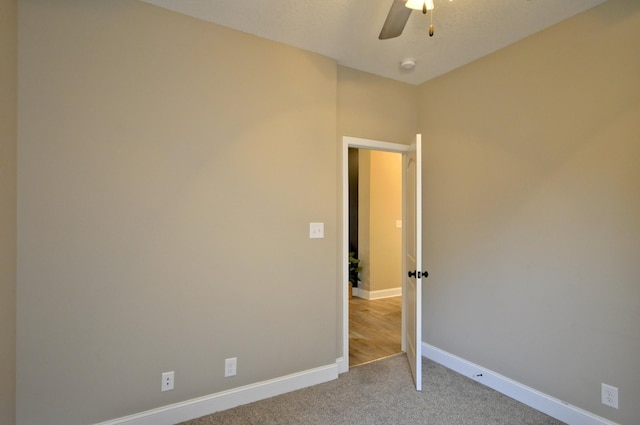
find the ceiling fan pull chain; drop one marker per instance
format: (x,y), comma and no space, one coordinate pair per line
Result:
(431,24)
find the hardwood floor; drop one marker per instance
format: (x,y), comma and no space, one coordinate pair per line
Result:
(374,329)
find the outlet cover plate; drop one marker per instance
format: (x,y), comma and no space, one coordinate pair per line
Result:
(167,381)
(610,396)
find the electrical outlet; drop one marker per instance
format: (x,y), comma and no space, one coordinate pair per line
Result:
(230,366)
(167,381)
(609,396)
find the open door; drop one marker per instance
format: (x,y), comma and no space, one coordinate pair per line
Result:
(412,249)
(412,287)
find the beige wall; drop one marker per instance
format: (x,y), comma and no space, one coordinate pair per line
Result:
(386,208)
(157,168)
(380,241)
(8,137)
(161,159)
(364,217)
(531,210)
(376,108)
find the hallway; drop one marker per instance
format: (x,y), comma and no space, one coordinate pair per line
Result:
(374,329)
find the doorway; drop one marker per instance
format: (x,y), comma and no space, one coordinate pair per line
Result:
(370,145)
(375,239)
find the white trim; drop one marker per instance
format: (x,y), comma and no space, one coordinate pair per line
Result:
(418,261)
(345,250)
(379,294)
(551,406)
(353,142)
(197,407)
(343,365)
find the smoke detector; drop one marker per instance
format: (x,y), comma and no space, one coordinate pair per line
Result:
(408,63)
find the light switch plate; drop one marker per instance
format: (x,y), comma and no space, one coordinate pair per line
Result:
(316,230)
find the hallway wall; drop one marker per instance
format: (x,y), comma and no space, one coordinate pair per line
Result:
(380,207)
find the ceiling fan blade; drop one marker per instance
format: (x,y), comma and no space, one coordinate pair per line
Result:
(396,20)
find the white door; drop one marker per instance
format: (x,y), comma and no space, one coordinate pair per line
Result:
(412,291)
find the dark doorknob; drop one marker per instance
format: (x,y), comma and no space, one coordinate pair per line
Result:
(418,275)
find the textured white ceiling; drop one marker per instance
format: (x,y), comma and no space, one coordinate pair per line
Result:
(347,30)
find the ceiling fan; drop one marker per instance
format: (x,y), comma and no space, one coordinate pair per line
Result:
(399,15)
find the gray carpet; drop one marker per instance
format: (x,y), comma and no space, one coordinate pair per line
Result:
(382,392)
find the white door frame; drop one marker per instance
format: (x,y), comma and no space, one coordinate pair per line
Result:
(354,142)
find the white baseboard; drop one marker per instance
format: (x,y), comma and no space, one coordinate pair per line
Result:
(553,407)
(195,408)
(377,295)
